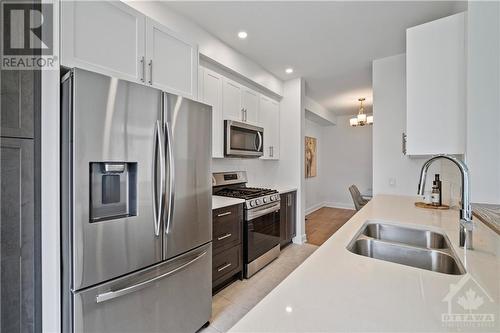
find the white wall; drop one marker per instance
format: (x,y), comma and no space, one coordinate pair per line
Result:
(483,106)
(347,159)
(393,172)
(291,166)
(319,112)
(50,213)
(314,187)
(260,173)
(209,45)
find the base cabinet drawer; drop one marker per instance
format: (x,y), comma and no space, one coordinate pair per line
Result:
(227,227)
(226,264)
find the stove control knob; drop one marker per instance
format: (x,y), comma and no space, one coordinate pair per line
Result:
(251,203)
(257,202)
(264,200)
(272,198)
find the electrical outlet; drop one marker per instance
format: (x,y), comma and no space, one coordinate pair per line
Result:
(392,182)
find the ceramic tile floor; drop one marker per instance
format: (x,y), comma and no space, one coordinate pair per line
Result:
(233,302)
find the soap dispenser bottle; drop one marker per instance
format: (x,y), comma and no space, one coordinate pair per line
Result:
(435,194)
(439,187)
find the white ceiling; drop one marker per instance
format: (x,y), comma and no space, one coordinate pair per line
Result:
(329,44)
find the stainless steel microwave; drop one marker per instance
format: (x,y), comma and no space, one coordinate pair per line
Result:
(243,140)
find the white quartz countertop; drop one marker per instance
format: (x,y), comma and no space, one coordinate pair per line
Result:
(335,290)
(219,202)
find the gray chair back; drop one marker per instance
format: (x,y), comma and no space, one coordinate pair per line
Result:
(357,198)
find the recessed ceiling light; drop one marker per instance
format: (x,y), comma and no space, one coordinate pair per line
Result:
(289,70)
(242,34)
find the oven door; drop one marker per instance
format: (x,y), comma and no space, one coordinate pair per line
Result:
(262,230)
(243,140)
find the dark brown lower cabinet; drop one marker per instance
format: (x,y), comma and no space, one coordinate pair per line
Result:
(17,235)
(288,217)
(227,245)
(20,258)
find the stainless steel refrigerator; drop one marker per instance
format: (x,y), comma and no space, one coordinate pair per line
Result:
(136,207)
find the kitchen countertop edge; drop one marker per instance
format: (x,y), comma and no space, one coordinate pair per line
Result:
(221,202)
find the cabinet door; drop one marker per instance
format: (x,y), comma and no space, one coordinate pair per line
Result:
(291,215)
(211,89)
(435,66)
(103,36)
(231,100)
(172,61)
(17,237)
(250,102)
(17,103)
(283,219)
(270,118)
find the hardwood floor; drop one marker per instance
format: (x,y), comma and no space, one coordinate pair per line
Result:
(323,223)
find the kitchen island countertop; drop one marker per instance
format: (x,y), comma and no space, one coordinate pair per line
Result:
(335,290)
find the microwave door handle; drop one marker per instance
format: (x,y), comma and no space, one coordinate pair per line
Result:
(171,179)
(260,141)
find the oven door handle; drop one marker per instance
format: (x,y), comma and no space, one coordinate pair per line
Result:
(253,214)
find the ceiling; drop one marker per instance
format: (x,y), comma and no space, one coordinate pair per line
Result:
(330,44)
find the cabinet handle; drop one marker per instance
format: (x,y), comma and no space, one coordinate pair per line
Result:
(223,214)
(272,151)
(151,71)
(242,114)
(143,65)
(403,143)
(224,237)
(289,200)
(220,269)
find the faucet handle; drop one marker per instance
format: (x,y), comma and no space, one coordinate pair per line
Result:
(467,224)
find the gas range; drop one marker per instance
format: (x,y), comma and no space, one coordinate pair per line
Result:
(233,184)
(261,222)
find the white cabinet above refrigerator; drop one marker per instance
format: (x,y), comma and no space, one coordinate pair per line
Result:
(112,38)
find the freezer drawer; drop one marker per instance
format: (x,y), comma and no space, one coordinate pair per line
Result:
(174,296)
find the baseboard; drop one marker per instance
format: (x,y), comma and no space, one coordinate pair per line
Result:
(341,205)
(314,208)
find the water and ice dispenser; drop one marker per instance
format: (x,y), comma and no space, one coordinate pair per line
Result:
(113,190)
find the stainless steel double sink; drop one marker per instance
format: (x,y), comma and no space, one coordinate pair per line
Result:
(420,248)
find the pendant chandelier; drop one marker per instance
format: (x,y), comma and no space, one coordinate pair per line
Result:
(361,119)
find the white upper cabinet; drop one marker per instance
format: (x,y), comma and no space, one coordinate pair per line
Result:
(239,102)
(435,69)
(172,62)
(250,105)
(270,119)
(111,38)
(231,100)
(211,94)
(103,36)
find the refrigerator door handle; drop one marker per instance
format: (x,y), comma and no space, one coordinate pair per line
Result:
(130,289)
(158,207)
(171,179)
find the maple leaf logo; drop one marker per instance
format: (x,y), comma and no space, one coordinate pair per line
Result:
(471,301)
